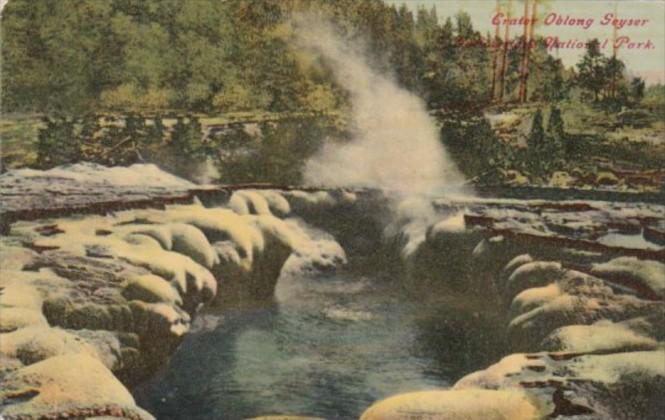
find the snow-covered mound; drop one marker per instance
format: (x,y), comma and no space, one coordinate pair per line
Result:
(140,174)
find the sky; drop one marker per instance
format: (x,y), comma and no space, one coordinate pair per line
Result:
(647,63)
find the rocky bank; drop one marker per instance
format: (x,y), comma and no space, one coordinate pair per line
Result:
(581,286)
(103,270)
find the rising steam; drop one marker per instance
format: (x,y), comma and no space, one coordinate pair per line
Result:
(396,144)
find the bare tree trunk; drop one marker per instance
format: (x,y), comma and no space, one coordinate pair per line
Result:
(496,49)
(613,83)
(525,54)
(504,58)
(532,43)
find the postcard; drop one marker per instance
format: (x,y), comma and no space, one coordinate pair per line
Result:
(332,209)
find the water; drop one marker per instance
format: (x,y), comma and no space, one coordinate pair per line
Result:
(328,346)
(636,241)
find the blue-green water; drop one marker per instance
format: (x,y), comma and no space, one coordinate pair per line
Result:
(328,346)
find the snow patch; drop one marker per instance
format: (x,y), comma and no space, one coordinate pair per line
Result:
(140,174)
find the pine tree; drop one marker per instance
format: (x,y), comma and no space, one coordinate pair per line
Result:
(637,87)
(555,126)
(186,138)
(57,143)
(556,134)
(156,131)
(537,134)
(592,74)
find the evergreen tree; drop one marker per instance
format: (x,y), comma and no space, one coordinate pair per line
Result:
(537,159)
(57,143)
(187,150)
(592,74)
(637,88)
(556,134)
(614,69)
(211,55)
(555,126)
(536,139)
(235,155)
(156,131)
(187,138)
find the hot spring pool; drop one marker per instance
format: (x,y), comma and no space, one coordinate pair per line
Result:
(327,346)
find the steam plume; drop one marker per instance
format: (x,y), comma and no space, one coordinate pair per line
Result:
(396,144)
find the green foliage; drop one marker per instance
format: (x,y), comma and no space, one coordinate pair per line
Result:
(236,152)
(107,140)
(550,83)
(556,134)
(285,147)
(57,55)
(455,73)
(152,57)
(121,142)
(637,88)
(546,150)
(654,99)
(473,145)
(235,97)
(18,141)
(186,145)
(555,127)
(320,99)
(592,72)
(536,138)
(536,158)
(156,131)
(88,136)
(57,143)
(222,56)
(274,152)
(604,80)
(269,152)
(614,69)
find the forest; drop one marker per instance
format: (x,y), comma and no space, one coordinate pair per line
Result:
(211,56)
(121,81)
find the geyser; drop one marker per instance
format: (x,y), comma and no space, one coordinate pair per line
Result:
(395,146)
